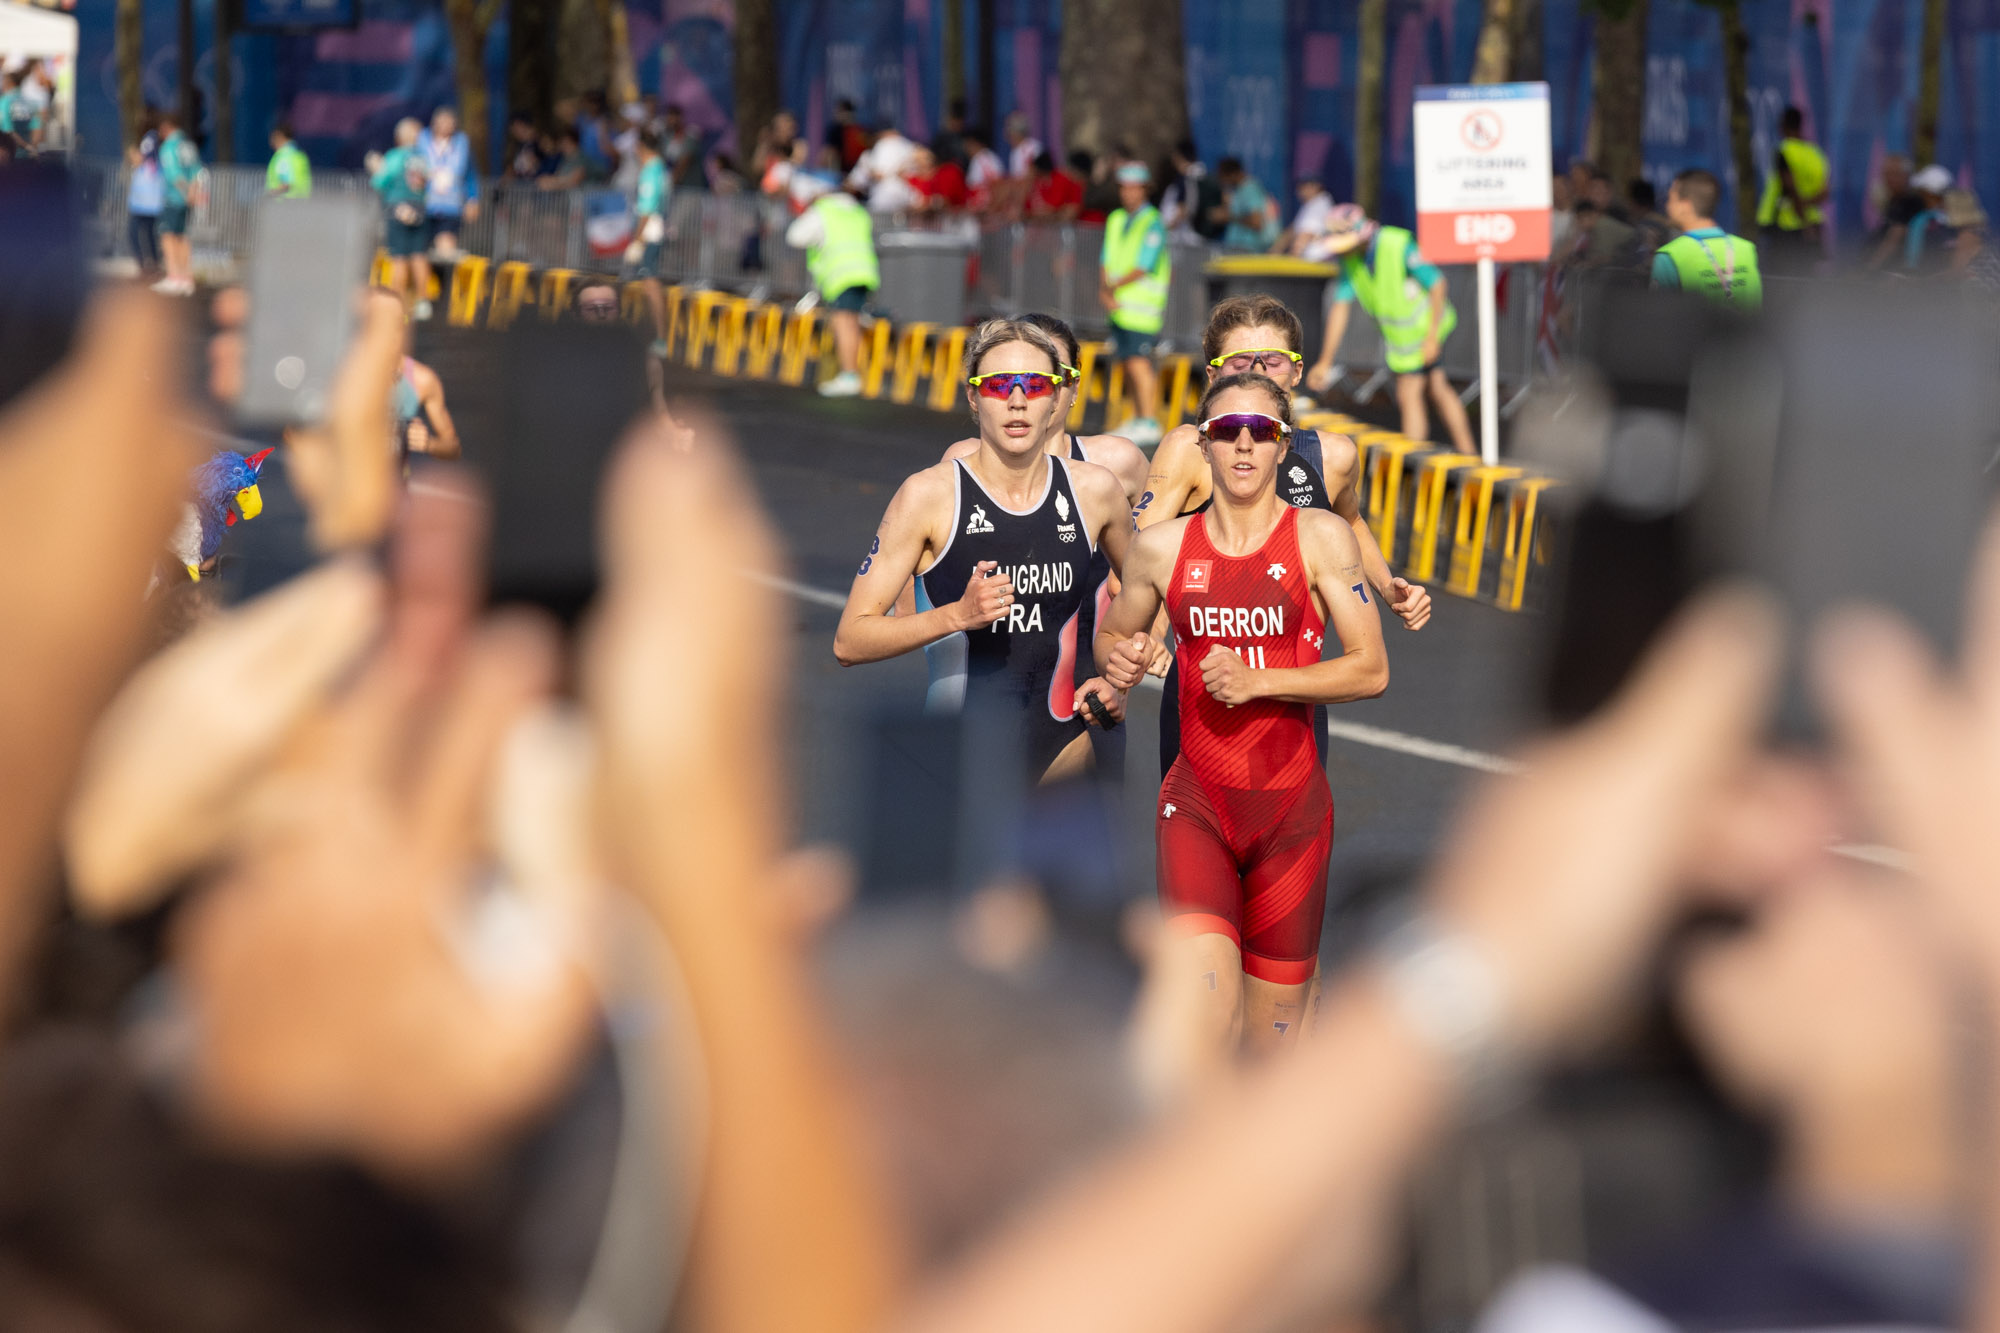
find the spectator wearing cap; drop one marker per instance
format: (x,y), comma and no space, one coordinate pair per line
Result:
(1249,213)
(838,237)
(1926,246)
(1133,270)
(1382,268)
(1704,258)
(1307,224)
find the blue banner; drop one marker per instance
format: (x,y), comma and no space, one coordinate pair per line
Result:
(1324,42)
(1429,41)
(1238,87)
(882,55)
(300,13)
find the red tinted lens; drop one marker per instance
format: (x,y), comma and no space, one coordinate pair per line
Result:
(1031,385)
(1262,429)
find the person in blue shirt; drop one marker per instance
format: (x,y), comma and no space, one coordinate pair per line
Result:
(649,208)
(400,177)
(181,179)
(1250,212)
(451,194)
(145,195)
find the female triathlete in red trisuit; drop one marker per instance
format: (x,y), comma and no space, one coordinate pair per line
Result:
(1245,821)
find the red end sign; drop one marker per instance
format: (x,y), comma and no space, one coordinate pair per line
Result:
(1483,172)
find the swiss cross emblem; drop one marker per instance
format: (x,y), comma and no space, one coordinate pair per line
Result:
(1197,576)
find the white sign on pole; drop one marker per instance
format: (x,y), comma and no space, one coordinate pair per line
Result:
(1484,174)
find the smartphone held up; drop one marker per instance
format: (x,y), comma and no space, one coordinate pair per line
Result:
(1838,447)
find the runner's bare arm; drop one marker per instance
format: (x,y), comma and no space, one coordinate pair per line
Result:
(444,432)
(1126,461)
(1333,565)
(868,632)
(1341,462)
(1178,479)
(1124,643)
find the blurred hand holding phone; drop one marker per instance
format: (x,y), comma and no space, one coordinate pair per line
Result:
(1833,449)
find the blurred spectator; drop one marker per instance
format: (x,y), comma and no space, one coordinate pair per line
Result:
(983,168)
(567,171)
(181,177)
(524,154)
(1704,258)
(1315,205)
(949,142)
(642,256)
(634,121)
(1022,146)
(1100,184)
(398,178)
(1562,216)
(1582,171)
(938,181)
(1972,256)
(38,95)
(1600,193)
(13,115)
(1926,245)
(838,237)
(1192,197)
(1795,188)
(1249,215)
(727,179)
(451,192)
(879,175)
(1899,204)
(595,136)
(846,139)
(1652,228)
(144,197)
(777,142)
(1602,239)
(289,175)
(684,146)
(1053,194)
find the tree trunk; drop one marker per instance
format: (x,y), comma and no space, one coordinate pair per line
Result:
(583,53)
(757,71)
(1368,105)
(225,92)
(624,76)
(1495,57)
(954,49)
(1930,59)
(190,118)
(129,39)
(531,64)
(468,49)
(1527,64)
(1145,111)
(1736,77)
(1619,87)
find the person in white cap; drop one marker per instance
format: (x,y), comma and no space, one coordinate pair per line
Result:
(1926,241)
(1133,270)
(1382,268)
(838,237)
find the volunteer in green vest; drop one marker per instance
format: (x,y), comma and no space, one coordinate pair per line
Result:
(1132,283)
(289,176)
(838,237)
(1704,258)
(649,233)
(399,177)
(181,189)
(1789,214)
(1382,268)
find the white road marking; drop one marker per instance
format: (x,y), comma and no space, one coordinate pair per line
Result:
(1382,738)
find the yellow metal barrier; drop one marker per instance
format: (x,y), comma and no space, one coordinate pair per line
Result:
(1382,483)
(912,354)
(510,293)
(948,370)
(1468,541)
(632,306)
(1086,388)
(762,343)
(553,299)
(1427,510)
(877,355)
(701,329)
(731,328)
(803,334)
(468,289)
(1524,545)
(1176,377)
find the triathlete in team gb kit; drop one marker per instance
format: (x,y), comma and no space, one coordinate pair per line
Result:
(1001,545)
(1244,823)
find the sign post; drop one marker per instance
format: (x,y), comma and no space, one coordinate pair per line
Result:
(1483,195)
